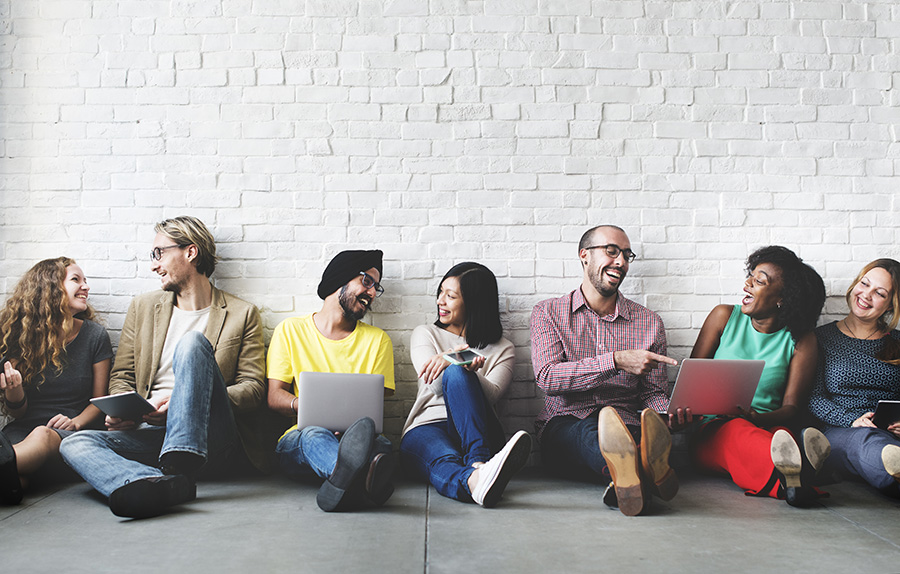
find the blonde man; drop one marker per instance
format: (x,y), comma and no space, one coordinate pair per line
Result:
(196,354)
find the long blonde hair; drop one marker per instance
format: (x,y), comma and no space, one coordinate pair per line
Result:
(36,320)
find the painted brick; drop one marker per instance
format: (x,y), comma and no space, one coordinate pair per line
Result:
(442,131)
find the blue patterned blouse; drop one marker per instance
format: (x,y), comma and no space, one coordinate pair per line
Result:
(850,380)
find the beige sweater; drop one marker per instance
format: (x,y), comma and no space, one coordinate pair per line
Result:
(495,376)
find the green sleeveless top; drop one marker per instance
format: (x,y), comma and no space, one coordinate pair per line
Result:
(741,341)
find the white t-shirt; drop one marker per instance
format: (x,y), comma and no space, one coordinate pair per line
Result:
(182,323)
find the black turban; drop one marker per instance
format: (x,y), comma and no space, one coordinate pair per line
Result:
(345,266)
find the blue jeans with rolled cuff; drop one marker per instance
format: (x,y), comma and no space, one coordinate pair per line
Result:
(199,421)
(443,452)
(314,450)
(856,452)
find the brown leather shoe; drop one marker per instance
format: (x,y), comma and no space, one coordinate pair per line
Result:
(656,444)
(620,453)
(378,478)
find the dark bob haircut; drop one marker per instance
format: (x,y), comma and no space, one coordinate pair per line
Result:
(478,288)
(802,289)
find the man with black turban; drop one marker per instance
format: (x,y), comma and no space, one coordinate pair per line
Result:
(357,466)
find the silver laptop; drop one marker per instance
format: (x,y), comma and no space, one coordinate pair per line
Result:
(715,386)
(337,400)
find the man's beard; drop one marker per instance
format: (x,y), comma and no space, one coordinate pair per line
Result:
(172,287)
(347,301)
(605,289)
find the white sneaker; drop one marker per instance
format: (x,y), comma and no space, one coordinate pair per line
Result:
(494,475)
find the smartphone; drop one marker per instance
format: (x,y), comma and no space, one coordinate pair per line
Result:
(464,357)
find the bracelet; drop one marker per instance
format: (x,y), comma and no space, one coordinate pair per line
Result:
(292,405)
(17,405)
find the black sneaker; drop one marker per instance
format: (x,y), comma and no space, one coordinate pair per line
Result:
(151,496)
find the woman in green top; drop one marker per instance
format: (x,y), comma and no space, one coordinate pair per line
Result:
(775,322)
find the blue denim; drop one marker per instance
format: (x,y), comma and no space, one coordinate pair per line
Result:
(443,452)
(314,450)
(571,446)
(856,452)
(199,421)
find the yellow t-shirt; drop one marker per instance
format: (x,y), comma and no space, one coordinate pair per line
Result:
(297,345)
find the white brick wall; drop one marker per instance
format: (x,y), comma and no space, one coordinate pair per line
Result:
(447,130)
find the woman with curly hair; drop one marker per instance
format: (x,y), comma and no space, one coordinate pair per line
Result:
(774,322)
(54,359)
(859,365)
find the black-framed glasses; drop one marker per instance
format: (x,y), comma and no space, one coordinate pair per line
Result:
(368,282)
(157,252)
(613,251)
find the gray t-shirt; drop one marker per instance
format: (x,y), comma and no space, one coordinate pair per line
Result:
(68,392)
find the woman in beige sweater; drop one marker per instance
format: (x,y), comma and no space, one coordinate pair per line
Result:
(452,437)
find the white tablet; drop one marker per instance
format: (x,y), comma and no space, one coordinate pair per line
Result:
(127,406)
(715,386)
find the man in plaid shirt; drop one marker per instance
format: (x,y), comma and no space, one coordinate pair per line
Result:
(600,359)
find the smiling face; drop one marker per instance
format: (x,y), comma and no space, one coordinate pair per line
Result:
(355,299)
(174,266)
(76,287)
(763,291)
(603,272)
(870,298)
(450,305)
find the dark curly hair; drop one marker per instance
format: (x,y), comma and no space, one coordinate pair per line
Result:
(802,289)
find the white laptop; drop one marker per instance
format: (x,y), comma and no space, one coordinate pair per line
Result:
(337,400)
(715,386)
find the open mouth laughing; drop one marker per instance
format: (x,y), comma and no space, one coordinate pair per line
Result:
(615,275)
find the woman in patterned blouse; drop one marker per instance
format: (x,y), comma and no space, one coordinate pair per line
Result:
(859,365)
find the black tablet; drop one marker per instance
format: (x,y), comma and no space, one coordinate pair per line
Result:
(886,414)
(127,406)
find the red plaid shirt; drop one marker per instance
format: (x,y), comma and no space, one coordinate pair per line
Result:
(572,352)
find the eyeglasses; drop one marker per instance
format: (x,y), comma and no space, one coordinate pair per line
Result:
(368,282)
(157,252)
(613,251)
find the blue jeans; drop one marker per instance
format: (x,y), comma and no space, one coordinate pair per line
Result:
(443,452)
(199,421)
(857,452)
(314,450)
(571,446)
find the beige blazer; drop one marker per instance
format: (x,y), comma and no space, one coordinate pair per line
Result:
(235,331)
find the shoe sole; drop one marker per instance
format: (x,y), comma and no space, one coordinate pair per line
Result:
(656,445)
(10,485)
(144,499)
(353,458)
(787,458)
(519,450)
(620,453)
(816,447)
(890,458)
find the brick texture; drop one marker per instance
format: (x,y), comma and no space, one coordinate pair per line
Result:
(445,131)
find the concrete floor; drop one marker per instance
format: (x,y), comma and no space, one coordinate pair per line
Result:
(542,525)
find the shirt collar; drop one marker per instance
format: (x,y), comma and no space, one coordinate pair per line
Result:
(623,307)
